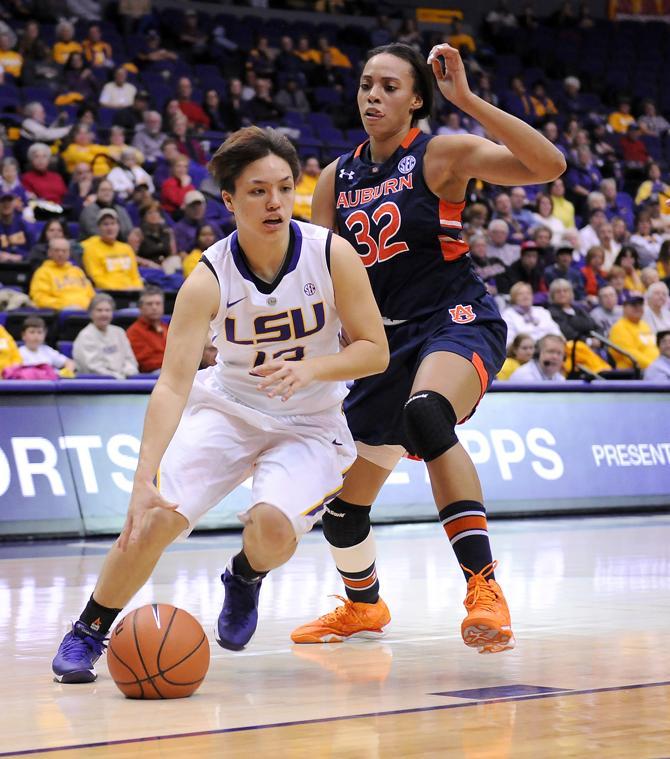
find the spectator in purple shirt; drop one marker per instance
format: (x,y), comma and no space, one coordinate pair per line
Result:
(570,101)
(618,203)
(518,100)
(584,176)
(186,229)
(10,182)
(520,211)
(550,131)
(563,269)
(502,205)
(15,238)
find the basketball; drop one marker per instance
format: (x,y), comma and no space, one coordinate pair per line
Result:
(158,651)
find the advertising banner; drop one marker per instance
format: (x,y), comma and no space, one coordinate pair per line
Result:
(37,492)
(67,460)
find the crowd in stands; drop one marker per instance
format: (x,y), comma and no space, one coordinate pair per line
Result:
(109,114)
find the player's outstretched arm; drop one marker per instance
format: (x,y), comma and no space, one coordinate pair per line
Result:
(525,157)
(196,304)
(367,352)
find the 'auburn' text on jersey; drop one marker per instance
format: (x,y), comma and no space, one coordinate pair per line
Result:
(291,319)
(409,239)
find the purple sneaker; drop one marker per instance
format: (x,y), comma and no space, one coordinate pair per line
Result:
(79,650)
(239,615)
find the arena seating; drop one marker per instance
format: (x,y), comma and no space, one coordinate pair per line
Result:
(611,59)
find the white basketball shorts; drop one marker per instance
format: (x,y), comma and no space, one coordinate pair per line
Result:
(297,462)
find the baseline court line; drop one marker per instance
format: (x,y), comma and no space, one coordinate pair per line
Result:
(416,710)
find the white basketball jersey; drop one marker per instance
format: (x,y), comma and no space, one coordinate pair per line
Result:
(293,318)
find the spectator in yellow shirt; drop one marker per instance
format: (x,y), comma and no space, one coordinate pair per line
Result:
(82,149)
(112,265)
(206,238)
(117,144)
(306,52)
(460,39)
(337,57)
(98,52)
(562,208)
(633,335)
(10,60)
(304,190)
(621,119)
(65,43)
(629,260)
(520,352)
(9,353)
(543,105)
(654,190)
(59,284)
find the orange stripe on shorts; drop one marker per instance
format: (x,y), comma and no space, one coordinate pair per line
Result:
(481,371)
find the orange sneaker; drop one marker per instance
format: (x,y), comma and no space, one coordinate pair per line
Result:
(488,626)
(353,620)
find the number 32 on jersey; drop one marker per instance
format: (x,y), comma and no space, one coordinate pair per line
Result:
(386,219)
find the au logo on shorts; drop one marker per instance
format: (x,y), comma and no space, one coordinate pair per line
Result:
(462,314)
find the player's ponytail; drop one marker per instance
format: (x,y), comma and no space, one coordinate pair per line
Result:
(421,72)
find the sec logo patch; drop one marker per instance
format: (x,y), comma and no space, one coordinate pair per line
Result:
(406,164)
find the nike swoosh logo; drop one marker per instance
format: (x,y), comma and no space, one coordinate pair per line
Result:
(335,442)
(231,303)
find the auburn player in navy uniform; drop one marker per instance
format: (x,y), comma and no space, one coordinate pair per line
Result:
(398,199)
(277,294)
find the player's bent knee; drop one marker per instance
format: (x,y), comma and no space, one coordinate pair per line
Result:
(274,529)
(345,524)
(162,526)
(429,420)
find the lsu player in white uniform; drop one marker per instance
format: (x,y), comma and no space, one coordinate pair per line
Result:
(276,293)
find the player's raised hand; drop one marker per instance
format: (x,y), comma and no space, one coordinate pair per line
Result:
(283,378)
(145,496)
(449,72)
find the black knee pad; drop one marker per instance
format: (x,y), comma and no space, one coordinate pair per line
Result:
(345,525)
(429,421)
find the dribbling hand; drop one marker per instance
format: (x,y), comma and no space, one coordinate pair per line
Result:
(451,79)
(145,496)
(283,378)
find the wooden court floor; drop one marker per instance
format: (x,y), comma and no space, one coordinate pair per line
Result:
(590,676)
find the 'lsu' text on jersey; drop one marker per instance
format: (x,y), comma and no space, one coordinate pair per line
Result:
(408,238)
(291,319)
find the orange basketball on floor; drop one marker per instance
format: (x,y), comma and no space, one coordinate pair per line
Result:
(158,651)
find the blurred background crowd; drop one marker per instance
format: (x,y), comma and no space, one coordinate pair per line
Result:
(109,113)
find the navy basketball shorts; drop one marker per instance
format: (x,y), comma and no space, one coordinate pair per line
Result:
(473,329)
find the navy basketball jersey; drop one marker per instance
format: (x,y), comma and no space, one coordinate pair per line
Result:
(408,238)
